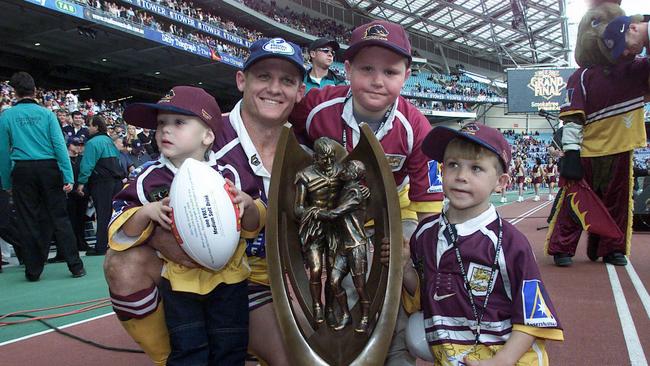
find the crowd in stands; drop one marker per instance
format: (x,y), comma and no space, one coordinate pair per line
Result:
(320,27)
(433,105)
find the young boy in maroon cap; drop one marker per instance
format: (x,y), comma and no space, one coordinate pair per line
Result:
(507,313)
(377,64)
(206,311)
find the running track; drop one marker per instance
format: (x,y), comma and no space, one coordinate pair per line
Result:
(605,311)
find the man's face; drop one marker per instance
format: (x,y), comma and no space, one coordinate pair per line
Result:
(271,88)
(376,79)
(63,118)
(322,56)
(78,120)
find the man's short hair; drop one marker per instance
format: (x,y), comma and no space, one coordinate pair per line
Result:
(76,113)
(99,122)
(23,84)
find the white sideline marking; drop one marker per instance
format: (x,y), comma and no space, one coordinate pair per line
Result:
(638,285)
(524,215)
(52,330)
(634,348)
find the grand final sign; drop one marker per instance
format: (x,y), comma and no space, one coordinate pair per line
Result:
(530,90)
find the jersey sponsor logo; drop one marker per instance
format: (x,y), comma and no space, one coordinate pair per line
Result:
(255,160)
(437,297)
(435,177)
(256,247)
(536,312)
(118,208)
(479,278)
(396,161)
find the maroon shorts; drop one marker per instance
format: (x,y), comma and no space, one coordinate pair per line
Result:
(552,179)
(520,179)
(537,180)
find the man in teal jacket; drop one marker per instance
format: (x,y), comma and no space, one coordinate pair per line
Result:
(100,170)
(35,168)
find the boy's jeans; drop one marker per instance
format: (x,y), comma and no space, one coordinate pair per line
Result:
(210,329)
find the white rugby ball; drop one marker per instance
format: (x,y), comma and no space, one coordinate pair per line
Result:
(205,220)
(416,338)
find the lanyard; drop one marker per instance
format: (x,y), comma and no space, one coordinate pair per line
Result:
(344,138)
(454,242)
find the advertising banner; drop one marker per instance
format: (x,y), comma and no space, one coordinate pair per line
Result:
(189,21)
(534,89)
(61,6)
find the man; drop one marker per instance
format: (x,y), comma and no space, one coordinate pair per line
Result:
(321,55)
(63,117)
(30,138)
(77,129)
(148,139)
(271,84)
(317,187)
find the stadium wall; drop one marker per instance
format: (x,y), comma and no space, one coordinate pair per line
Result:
(497,118)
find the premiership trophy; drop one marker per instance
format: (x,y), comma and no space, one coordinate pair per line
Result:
(328,213)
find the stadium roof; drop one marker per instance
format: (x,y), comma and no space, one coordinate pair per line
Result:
(514,32)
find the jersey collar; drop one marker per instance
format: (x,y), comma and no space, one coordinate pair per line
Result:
(348,117)
(253,157)
(471,226)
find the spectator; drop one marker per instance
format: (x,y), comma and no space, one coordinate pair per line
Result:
(100,169)
(126,164)
(321,55)
(77,129)
(41,174)
(148,139)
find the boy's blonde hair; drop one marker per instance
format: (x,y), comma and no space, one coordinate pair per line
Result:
(465,149)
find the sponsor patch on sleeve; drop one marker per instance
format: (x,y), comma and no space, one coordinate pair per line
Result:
(534,299)
(435,177)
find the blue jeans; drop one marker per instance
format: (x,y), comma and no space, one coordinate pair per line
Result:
(210,329)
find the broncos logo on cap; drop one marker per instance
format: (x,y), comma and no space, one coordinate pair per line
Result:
(168,97)
(470,128)
(376,31)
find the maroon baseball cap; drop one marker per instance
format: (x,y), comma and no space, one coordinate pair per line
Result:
(185,100)
(379,33)
(435,143)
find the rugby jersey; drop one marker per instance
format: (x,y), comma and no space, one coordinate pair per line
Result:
(609,101)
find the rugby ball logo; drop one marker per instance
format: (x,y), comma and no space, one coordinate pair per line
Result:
(205,220)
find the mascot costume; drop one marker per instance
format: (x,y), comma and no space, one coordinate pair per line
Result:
(603,123)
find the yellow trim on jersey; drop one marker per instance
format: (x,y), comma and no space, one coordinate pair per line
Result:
(630,208)
(259,271)
(428,207)
(613,135)
(535,356)
(574,112)
(553,334)
(201,281)
(116,226)
(411,303)
(411,208)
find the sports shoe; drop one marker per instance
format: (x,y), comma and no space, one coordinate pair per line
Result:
(503,200)
(79,273)
(617,259)
(562,260)
(551,197)
(520,199)
(32,278)
(536,198)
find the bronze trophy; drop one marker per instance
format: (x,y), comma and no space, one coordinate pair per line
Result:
(320,208)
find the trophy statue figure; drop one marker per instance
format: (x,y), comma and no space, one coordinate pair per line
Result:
(349,250)
(317,188)
(319,205)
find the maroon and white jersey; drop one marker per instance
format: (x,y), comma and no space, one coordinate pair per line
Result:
(235,150)
(519,298)
(610,101)
(328,112)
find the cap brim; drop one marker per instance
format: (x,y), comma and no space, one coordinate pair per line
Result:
(352,50)
(250,62)
(435,143)
(145,115)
